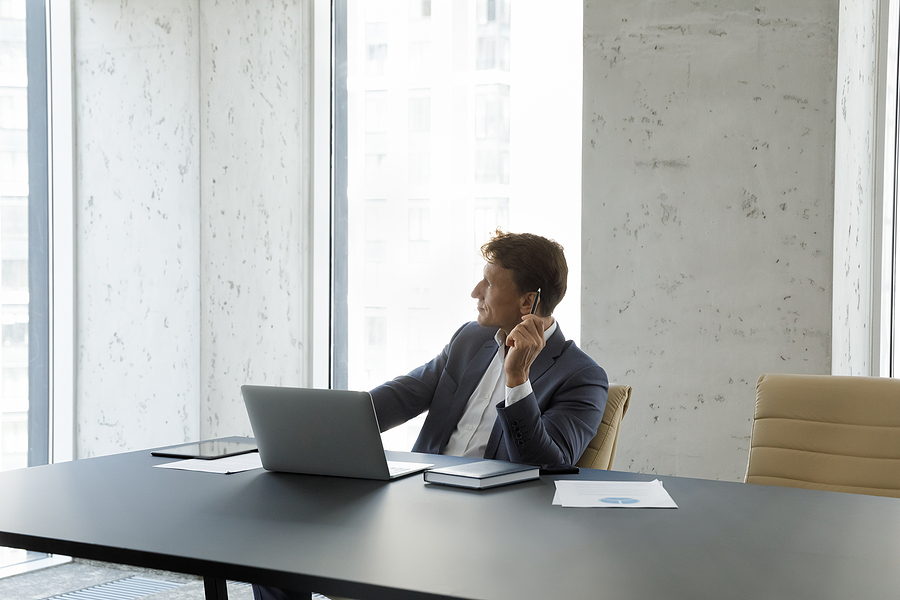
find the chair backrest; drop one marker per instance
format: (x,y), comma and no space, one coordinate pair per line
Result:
(602,450)
(825,432)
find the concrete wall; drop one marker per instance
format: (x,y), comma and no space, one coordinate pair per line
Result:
(707,214)
(137,211)
(251,200)
(188,258)
(709,130)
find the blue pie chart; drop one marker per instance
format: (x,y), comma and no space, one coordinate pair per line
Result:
(619,500)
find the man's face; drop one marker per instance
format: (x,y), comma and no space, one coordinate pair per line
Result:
(499,302)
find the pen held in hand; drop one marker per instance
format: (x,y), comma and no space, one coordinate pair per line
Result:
(537,298)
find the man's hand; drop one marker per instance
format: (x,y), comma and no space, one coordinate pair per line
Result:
(525,342)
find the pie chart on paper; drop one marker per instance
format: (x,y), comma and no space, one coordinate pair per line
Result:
(622,501)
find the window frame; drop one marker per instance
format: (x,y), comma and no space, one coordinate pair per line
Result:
(885,338)
(63,341)
(319,246)
(51,246)
(39,439)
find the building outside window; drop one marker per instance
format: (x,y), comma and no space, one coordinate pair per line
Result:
(24,254)
(452,131)
(13,237)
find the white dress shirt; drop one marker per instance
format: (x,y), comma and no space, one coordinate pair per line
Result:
(471,435)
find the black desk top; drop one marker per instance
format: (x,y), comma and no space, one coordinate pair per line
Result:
(405,539)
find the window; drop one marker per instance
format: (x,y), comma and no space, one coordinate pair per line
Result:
(376,127)
(419,9)
(489,214)
(24,426)
(419,58)
(376,58)
(24,252)
(432,169)
(375,340)
(376,37)
(419,111)
(419,140)
(419,252)
(493,35)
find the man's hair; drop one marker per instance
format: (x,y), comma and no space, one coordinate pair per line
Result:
(535,262)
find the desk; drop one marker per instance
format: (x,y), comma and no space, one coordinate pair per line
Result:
(405,540)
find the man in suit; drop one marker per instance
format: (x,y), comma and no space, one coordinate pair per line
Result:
(508,386)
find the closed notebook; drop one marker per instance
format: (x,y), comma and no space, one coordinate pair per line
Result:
(482,474)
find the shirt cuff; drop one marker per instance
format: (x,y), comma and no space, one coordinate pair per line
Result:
(515,394)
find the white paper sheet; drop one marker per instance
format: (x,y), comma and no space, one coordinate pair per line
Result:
(612,494)
(225,466)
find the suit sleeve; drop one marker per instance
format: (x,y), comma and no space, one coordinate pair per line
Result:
(406,397)
(560,433)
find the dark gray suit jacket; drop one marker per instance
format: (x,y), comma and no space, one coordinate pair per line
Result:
(553,424)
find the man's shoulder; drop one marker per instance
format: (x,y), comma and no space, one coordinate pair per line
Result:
(577,359)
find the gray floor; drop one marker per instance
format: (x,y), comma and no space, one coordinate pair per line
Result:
(80,575)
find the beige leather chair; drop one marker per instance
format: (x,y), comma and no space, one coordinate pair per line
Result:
(827,432)
(602,450)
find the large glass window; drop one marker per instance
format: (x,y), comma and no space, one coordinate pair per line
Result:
(13,236)
(24,251)
(457,123)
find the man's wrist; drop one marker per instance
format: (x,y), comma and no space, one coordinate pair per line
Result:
(516,393)
(516,377)
(514,382)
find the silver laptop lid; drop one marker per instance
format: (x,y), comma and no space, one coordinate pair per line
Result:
(316,432)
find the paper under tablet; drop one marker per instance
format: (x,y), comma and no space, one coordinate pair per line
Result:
(320,432)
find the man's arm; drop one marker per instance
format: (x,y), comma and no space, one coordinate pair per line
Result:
(573,410)
(556,425)
(524,343)
(406,397)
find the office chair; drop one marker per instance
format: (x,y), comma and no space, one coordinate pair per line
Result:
(834,433)
(602,449)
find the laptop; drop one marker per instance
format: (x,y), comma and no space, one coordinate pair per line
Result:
(320,432)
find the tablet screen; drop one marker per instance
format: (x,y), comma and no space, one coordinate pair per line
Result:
(208,449)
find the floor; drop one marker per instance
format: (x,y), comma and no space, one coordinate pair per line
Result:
(79,579)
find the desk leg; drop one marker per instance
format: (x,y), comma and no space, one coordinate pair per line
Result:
(215,588)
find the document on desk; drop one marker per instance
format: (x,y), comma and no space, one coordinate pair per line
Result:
(612,494)
(224,466)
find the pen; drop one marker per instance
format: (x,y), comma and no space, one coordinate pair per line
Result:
(537,298)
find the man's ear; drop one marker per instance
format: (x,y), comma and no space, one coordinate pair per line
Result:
(526,301)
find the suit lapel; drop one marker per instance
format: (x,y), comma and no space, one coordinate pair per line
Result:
(477,366)
(552,349)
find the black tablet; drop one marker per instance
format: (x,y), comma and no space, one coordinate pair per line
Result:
(208,450)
